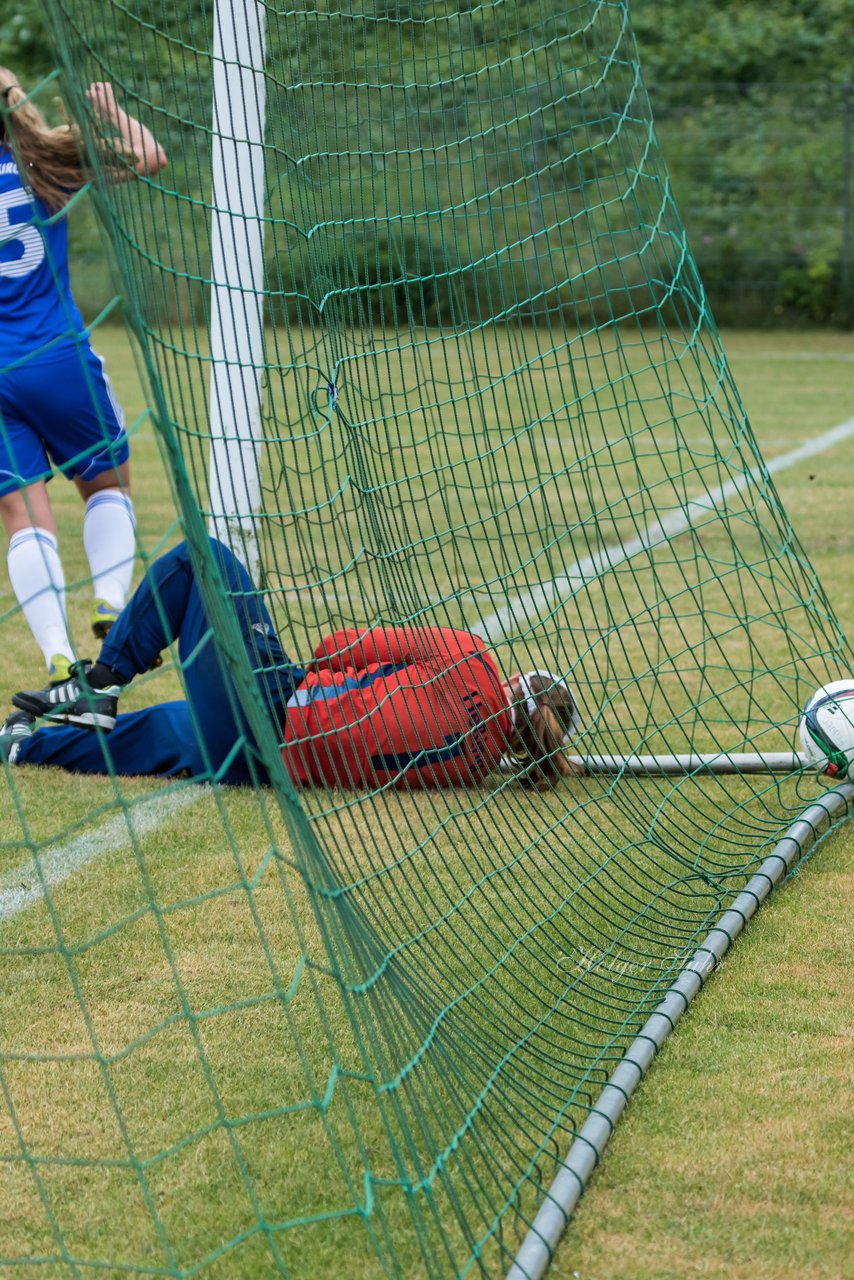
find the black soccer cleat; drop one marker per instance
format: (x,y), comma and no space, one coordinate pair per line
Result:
(73,701)
(16,729)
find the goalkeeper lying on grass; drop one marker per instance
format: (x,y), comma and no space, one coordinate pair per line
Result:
(409,707)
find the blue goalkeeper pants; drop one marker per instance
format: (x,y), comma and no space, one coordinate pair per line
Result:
(204,737)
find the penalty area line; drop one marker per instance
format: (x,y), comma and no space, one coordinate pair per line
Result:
(658,532)
(23,887)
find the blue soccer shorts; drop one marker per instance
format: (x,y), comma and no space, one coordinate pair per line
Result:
(59,412)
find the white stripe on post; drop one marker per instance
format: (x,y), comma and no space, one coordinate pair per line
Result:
(237,275)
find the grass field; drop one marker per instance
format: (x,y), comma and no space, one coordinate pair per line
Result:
(183,1078)
(734,1158)
(733,1161)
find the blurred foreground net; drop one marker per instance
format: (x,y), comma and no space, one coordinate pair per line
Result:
(426,344)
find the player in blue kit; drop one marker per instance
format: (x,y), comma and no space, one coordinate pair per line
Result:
(57,407)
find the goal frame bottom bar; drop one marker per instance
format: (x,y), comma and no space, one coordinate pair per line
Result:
(586,1150)
(714,762)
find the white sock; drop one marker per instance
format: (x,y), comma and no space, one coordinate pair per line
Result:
(35,571)
(108,536)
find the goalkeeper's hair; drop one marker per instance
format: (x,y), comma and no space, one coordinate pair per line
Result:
(51,159)
(543,734)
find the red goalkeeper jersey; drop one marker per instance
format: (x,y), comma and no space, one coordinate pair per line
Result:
(406,706)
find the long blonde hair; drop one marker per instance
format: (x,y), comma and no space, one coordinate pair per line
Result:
(51,158)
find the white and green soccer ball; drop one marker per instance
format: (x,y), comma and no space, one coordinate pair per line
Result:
(827,729)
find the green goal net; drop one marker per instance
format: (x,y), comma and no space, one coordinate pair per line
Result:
(422,339)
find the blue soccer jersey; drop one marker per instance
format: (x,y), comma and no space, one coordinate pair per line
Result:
(35,292)
(57,407)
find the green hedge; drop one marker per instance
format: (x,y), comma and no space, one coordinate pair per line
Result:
(749,105)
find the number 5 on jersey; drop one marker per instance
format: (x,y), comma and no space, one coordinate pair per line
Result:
(28,236)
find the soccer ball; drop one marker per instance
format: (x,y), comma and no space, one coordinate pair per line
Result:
(827,729)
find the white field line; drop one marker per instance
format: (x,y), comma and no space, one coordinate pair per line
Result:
(494,627)
(809,356)
(23,887)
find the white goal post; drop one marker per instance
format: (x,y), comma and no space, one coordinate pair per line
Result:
(237,276)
